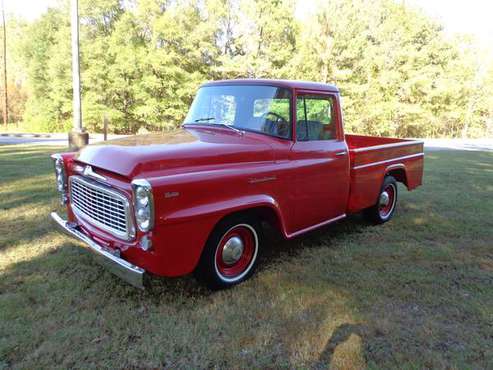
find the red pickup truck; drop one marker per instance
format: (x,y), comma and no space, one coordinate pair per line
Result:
(249,152)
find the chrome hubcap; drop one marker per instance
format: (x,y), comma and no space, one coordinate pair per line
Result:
(384,199)
(232,250)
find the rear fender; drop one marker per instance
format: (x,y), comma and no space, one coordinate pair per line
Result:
(398,171)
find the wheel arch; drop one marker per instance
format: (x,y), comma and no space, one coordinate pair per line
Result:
(263,206)
(263,212)
(243,216)
(398,172)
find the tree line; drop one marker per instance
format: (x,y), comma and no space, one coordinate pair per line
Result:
(399,73)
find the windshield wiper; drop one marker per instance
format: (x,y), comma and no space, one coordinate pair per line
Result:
(217,124)
(230,127)
(204,119)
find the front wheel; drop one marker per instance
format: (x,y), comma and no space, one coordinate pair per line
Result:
(384,208)
(230,254)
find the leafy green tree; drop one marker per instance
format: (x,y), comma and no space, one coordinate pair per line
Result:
(259,38)
(46,57)
(142,61)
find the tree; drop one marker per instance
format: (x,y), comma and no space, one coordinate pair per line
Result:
(46,57)
(142,61)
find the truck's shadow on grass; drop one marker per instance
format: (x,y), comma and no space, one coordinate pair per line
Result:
(275,250)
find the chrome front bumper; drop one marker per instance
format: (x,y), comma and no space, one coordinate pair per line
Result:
(130,273)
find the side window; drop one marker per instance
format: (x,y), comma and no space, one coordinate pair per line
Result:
(278,106)
(273,115)
(301,125)
(315,118)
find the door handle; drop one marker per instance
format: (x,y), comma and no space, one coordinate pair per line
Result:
(341,153)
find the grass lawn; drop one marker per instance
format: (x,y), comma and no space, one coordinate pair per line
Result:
(414,293)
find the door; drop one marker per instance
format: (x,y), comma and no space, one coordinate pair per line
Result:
(320,161)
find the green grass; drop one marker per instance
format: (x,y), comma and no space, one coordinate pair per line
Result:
(414,293)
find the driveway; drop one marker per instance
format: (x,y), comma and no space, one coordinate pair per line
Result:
(459,144)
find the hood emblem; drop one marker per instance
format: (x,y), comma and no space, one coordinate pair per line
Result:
(90,173)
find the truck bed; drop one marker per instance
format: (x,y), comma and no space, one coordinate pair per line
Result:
(371,158)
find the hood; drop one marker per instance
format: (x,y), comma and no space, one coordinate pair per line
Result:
(185,147)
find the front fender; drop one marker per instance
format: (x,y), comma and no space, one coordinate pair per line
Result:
(222,208)
(181,235)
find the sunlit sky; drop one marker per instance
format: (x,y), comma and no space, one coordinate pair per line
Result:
(472,16)
(458,16)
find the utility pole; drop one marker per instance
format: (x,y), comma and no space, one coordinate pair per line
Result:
(5,92)
(77,138)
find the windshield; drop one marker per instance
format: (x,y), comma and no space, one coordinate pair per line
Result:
(264,109)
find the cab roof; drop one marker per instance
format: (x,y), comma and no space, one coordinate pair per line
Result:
(288,84)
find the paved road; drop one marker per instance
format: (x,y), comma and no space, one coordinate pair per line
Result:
(61,139)
(46,139)
(459,144)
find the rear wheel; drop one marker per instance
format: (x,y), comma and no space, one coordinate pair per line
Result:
(384,208)
(231,252)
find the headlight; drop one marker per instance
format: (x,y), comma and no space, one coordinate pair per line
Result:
(142,196)
(143,204)
(61,178)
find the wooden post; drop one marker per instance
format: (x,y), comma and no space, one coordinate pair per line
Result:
(105,126)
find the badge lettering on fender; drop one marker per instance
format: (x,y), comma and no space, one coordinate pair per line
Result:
(171,194)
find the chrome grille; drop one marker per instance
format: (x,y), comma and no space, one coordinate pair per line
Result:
(101,206)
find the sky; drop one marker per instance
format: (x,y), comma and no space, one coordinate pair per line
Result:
(471,16)
(29,9)
(458,16)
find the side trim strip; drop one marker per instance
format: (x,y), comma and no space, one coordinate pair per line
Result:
(388,161)
(387,146)
(310,228)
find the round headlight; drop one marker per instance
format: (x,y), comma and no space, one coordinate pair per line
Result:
(60,183)
(142,196)
(59,166)
(60,179)
(143,214)
(143,218)
(143,204)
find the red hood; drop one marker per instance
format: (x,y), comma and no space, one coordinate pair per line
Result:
(133,155)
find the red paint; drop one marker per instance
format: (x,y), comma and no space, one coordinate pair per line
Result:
(201,174)
(371,158)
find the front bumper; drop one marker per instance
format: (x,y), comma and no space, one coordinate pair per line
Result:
(111,260)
